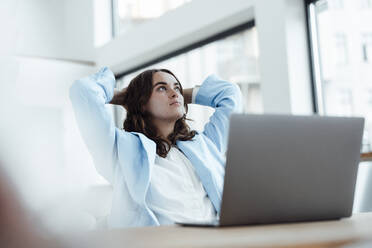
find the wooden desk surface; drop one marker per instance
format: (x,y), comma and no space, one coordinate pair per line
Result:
(303,235)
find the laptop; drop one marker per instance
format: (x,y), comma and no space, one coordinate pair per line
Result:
(285,168)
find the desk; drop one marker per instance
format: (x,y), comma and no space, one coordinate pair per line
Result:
(303,235)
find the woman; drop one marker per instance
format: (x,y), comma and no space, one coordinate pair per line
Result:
(161,171)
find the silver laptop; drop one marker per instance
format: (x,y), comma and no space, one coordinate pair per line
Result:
(283,168)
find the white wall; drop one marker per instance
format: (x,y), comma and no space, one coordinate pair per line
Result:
(55,29)
(45,46)
(79,30)
(284,59)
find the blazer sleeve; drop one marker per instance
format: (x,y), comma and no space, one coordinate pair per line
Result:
(89,96)
(225,98)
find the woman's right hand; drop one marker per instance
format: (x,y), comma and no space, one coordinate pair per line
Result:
(119,96)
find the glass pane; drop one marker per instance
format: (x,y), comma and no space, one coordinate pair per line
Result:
(234,58)
(135,12)
(344,41)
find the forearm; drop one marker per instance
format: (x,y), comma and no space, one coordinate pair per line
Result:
(215,92)
(89,96)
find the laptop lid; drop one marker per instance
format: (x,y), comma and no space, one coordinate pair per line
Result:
(283,168)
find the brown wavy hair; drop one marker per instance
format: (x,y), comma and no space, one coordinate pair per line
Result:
(139,120)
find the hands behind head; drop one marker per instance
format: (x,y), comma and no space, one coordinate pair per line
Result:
(119,97)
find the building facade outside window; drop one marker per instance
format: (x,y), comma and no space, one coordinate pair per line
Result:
(365,4)
(341,49)
(367,47)
(344,41)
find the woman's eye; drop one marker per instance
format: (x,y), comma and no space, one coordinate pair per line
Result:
(178,89)
(161,88)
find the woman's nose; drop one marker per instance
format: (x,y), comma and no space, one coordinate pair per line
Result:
(173,93)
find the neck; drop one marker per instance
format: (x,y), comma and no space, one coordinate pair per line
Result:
(164,127)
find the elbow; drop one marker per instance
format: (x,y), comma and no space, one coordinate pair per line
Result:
(237,99)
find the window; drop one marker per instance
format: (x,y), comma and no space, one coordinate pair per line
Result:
(340,46)
(102,22)
(341,43)
(233,58)
(131,13)
(365,4)
(344,89)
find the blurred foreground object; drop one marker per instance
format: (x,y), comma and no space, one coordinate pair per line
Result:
(16,228)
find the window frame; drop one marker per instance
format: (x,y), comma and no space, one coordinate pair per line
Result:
(315,68)
(218,36)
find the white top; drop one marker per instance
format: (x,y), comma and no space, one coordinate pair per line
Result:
(175,183)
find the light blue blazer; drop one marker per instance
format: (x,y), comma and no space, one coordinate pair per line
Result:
(126,159)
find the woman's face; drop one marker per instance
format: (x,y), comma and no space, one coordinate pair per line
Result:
(166,100)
